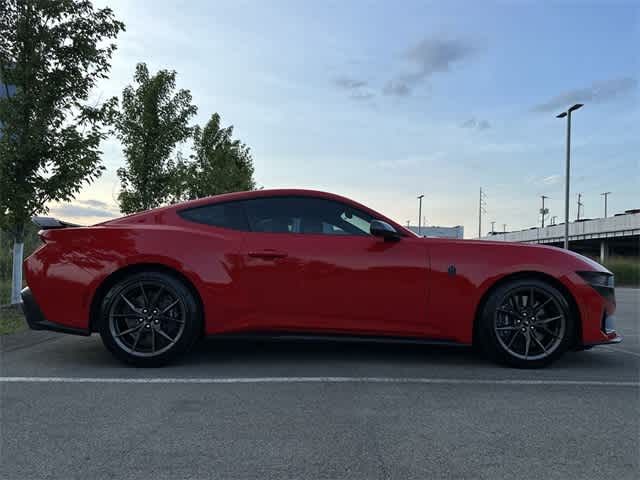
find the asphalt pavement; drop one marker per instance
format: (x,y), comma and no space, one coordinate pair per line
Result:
(264,410)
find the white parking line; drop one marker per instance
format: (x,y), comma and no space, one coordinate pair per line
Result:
(267,380)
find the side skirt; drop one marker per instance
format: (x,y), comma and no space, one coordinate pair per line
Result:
(342,338)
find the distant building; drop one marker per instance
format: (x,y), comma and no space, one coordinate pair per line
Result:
(439,232)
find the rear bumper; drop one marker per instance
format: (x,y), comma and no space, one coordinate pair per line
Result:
(36,320)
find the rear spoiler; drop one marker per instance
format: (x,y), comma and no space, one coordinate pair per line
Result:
(49,223)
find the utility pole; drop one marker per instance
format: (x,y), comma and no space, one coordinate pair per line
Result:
(481,209)
(605,195)
(543,210)
(493,230)
(566,177)
(579,205)
(420,197)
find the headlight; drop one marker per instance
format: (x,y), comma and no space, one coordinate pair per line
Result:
(597,279)
(602,283)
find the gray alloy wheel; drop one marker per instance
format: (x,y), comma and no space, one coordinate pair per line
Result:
(149,318)
(526,323)
(530,323)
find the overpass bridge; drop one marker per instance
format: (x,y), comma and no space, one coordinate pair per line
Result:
(599,237)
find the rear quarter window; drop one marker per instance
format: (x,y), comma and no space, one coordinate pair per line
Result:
(223,215)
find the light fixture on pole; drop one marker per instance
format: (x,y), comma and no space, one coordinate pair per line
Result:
(568,169)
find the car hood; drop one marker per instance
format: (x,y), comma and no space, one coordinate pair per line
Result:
(543,254)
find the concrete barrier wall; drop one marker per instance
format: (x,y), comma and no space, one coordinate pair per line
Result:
(621,225)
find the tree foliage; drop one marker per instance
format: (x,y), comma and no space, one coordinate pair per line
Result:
(54,52)
(152,119)
(218,165)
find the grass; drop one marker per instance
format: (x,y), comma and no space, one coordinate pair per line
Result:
(5,291)
(625,269)
(11,320)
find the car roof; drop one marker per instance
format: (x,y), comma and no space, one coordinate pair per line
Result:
(271,192)
(247,195)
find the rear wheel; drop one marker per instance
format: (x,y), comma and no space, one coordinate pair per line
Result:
(149,318)
(526,323)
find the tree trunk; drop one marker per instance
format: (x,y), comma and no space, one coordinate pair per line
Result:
(18,251)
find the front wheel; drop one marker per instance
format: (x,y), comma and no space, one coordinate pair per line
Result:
(526,323)
(149,318)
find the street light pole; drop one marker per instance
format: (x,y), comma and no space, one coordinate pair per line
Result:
(567,171)
(481,210)
(542,210)
(420,197)
(605,195)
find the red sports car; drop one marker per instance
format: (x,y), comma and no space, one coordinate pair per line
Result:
(305,263)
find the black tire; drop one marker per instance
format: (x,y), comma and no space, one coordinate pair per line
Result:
(139,325)
(523,336)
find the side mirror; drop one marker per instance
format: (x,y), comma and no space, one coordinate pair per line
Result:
(382,229)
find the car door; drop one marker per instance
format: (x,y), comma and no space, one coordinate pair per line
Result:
(312,265)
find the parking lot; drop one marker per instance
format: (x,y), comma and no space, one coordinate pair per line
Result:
(318,410)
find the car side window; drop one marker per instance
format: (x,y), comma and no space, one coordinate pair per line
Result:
(225,215)
(305,215)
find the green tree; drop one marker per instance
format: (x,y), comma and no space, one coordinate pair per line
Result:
(151,121)
(219,164)
(53,52)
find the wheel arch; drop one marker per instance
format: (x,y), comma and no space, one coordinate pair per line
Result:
(573,306)
(117,275)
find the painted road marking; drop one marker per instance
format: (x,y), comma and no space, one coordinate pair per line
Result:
(272,380)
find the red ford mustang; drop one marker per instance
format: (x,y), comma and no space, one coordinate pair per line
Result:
(304,263)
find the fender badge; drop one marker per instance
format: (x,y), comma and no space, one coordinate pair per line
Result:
(451,270)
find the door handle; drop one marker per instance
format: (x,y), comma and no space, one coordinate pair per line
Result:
(267,254)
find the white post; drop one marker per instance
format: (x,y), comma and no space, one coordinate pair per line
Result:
(16,284)
(604,251)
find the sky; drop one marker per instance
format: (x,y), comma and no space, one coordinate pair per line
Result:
(382,101)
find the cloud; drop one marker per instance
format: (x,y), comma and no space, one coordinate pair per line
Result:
(85,208)
(70,210)
(95,203)
(410,161)
(396,88)
(357,88)
(363,96)
(476,124)
(598,92)
(552,179)
(547,181)
(484,125)
(430,56)
(348,83)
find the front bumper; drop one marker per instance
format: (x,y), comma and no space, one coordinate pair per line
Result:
(608,328)
(36,320)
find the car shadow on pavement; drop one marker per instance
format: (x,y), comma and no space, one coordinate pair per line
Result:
(323,351)
(296,357)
